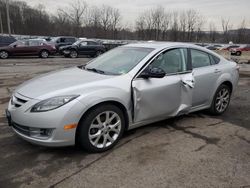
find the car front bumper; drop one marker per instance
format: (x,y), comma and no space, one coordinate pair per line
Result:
(32,127)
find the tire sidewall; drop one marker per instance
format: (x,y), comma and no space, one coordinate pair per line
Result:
(44,51)
(82,138)
(6,53)
(213,109)
(73,51)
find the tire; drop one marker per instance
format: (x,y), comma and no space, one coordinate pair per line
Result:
(4,54)
(44,54)
(100,130)
(73,54)
(221,100)
(238,53)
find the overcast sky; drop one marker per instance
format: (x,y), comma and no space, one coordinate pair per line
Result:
(212,10)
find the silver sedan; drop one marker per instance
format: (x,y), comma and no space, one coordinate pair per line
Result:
(125,88)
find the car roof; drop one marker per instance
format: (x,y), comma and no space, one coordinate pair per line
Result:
(161,45)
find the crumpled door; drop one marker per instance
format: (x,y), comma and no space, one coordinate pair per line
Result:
(162,97)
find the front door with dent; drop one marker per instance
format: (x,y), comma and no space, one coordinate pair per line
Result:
(159,98)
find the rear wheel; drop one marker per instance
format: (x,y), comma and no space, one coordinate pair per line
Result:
(101,128)
(238,53)
(73,54)
(44,54)
(221,100)
(4,54)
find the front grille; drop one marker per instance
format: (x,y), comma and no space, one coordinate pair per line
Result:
(17,101)
(40,133)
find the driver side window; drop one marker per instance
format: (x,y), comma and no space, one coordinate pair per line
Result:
(171,61)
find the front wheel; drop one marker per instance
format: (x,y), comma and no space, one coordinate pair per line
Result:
(101,128)
(221,100)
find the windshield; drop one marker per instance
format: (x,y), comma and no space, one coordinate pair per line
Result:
(54,39)
(119,60)
(77,42)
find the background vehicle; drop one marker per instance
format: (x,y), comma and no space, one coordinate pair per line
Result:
(62,41)
(95,103)
(82,47)
(6,40)
(28,48)
(228,47)
(238,51)
(214,47)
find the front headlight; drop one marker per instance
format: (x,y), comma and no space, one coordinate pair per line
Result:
(52,103)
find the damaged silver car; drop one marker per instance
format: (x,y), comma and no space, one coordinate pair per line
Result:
(127,87)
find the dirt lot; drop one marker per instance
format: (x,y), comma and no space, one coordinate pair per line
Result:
(195,150)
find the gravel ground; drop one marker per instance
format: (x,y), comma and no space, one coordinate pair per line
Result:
(195,150)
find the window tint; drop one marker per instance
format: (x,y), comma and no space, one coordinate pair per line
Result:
(34,43)
(172,61)
(70,40)
(214,60)
(92,43)
(84,43)
(199,59)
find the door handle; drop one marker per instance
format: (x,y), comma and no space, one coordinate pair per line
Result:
(217,70)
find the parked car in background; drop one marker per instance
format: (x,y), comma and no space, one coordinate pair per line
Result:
(228,47)
(127,87)
(238,51)
(62,41)
(28,48)
(214,47)
(6,40)
(82,47)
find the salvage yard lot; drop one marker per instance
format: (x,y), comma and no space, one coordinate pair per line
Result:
(195,150)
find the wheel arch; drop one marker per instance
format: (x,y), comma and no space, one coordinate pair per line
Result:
(113,102)
(44,50)
(229,84)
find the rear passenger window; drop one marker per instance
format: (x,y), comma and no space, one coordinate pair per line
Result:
(214,60)
(199,58)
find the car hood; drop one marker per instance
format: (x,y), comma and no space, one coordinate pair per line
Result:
(63,82)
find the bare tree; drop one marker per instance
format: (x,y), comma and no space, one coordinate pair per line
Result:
(212,32)
(226,26)
(115,20)
(183,25)
(174,26)
(241,33)
(157,19)
(76,13)
(166,25)
(192,17)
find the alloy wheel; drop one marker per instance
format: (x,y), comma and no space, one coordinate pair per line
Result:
(105,129)
(222,100)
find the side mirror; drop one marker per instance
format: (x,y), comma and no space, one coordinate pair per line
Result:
(15,46)
(153,73)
